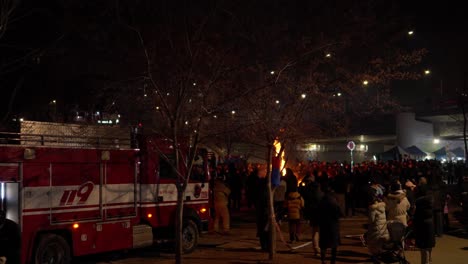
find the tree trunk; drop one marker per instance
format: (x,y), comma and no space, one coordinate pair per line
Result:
(179,225)
(271,212)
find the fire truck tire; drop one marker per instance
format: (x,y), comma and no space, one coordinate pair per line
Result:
(52,248)
(189,236)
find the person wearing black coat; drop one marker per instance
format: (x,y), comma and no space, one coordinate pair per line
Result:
(312,196)
(291,181)
(261,214)
(329,224)
(10,239)
(424,224)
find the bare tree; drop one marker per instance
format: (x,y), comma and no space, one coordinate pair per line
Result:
(269,71)
(7,9)
(314,72)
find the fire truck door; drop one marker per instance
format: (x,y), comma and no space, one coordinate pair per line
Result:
(9,190)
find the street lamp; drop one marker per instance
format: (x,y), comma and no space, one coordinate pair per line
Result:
(411,32)
(303,96)
(427,72)
(365,82)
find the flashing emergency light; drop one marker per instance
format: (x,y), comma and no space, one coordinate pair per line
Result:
(75,226)
(150,215)
(203,210)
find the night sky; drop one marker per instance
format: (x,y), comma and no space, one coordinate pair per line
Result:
(34,40)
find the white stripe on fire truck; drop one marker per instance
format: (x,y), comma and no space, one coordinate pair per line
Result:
(45,196)
(83,209)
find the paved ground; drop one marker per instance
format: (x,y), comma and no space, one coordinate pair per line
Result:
(242,247)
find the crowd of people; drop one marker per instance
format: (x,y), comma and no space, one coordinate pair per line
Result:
(411,192)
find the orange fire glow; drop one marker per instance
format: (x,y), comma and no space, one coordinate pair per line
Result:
(277,145)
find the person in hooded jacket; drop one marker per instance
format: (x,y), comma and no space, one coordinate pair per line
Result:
(377,233)
(397,204)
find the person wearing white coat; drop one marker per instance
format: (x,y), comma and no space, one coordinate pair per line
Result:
(377,233)
(397,204)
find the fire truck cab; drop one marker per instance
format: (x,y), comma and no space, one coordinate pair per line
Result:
(72,199)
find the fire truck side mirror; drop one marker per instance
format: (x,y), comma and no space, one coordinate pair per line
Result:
(29,153)
(105,155)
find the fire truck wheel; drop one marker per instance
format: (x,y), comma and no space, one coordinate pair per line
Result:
(189,236)
(52,249)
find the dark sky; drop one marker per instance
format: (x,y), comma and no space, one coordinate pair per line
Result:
(441,27)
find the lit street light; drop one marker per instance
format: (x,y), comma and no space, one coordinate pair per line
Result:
(365,82)
(303,96)
(427,72)
(328,55)
(411,32)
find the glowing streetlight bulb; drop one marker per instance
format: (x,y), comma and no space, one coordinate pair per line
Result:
(436,141)
(328,55)
(365,82)
(411,32)
(427,72)
(303,96)
(272,72)
(186,122)
(194,83)
(233,112)
(277,101)
(54,101)
(339,94)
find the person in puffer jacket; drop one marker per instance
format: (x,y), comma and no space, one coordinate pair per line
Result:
(294,203)
(377,233)
(397,204)
(221,198)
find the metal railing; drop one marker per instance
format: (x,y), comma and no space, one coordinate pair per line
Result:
(63,141)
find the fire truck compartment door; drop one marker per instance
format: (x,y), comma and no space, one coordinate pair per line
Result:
(119,190)
(75,192)
(9,192)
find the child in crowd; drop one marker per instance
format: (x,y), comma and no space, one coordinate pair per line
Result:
(294,204)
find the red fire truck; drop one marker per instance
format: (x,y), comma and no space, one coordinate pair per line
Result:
(75,201)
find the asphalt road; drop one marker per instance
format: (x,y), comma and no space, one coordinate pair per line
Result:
(242,247)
